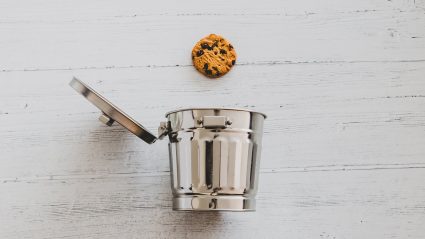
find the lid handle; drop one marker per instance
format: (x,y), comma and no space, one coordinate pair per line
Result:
(111,113)
(106,120)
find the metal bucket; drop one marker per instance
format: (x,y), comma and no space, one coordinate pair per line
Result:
(214,158)
(214,152)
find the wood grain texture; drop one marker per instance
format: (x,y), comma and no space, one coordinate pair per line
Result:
(341,81)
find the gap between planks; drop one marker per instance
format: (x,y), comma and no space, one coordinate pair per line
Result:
(306,169)
(259,63)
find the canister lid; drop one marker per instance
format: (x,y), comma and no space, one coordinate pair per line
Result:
(111,113)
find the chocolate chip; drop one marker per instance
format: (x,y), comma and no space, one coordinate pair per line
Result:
(206,66)
(230,47)
(233,62)
(205,46)
(218,73)
(215,44)
(199,53)
(222,51)
(208,72)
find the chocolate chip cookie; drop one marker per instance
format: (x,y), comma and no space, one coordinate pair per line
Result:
(213,56)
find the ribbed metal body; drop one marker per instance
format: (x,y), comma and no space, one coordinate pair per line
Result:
(214,158)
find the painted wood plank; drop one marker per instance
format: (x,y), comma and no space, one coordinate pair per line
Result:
(63,39)
(320,115)
(339,204)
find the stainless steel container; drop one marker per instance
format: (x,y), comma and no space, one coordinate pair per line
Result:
(214,152)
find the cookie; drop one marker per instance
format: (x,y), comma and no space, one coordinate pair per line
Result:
(213,56)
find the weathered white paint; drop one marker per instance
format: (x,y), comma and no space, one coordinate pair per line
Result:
(341,81)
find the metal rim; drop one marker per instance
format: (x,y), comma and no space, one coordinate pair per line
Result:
(215,108)
(214,203)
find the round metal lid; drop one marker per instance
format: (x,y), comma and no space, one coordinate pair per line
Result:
(111,113)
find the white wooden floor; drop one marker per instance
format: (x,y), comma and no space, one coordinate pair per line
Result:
(343,84)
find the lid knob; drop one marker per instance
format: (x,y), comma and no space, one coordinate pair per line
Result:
(106,119)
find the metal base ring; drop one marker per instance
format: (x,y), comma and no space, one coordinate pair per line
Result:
(213,203)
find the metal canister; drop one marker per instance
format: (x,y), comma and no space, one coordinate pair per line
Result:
(214,153)
(214,158)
